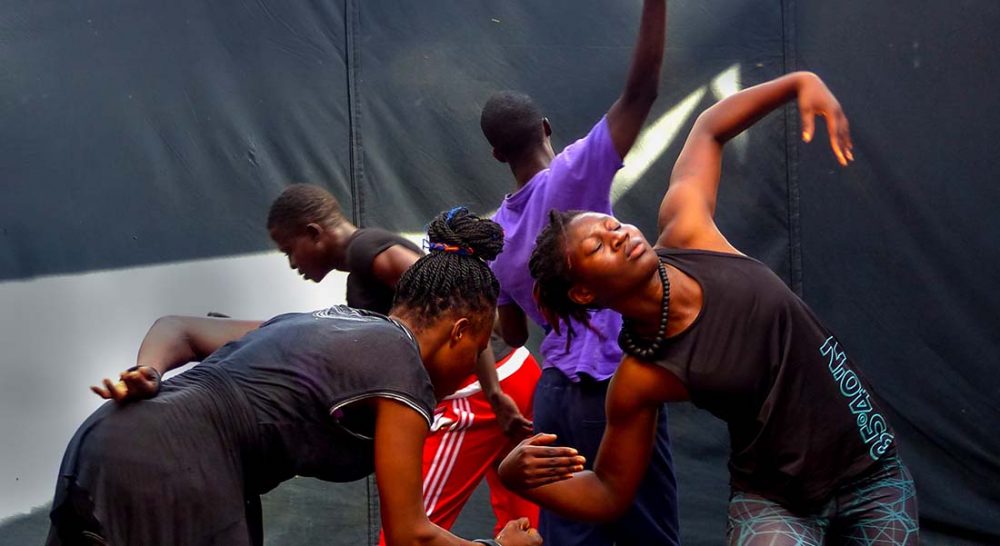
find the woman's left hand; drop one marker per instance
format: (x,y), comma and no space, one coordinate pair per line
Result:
(536,462)
(136,383)
(815,98)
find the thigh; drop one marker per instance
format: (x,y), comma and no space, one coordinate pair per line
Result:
(880,509)
(757,521)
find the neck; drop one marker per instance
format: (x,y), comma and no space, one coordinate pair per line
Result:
(340,233)
(531,163)
(428,340)
(642,307)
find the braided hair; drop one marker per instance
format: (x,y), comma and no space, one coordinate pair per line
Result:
(454,275)
(550,267)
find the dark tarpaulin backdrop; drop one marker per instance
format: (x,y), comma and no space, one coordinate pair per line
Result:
(147,132)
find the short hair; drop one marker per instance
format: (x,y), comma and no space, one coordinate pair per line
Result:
(454,276)
(302,204)
(549,266)
(511,122)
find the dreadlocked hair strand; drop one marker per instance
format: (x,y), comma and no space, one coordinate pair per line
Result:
(550,267)
(454,276)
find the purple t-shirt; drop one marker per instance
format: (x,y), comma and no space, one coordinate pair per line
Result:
(579,178)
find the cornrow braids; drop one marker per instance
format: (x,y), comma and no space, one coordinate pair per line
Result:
(302,204)
(549,266)
(454,276)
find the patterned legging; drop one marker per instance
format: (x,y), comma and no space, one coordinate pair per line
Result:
(880,509)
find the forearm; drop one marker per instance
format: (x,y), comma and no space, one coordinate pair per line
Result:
(584,497)
(733,115)
(166,345)
(643,78)
(173,341)
(486,372)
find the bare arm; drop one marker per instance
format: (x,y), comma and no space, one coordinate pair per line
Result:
(629,112)
(391,263)
(509,417)
(173,341)
(513,325)
(399,441)
(634,396)
(686,213)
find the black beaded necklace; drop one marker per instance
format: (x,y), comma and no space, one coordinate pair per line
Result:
(638,347)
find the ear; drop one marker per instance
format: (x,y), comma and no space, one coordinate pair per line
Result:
(546,127)
(461,327)
(499,156)
(580,295)
(314,231)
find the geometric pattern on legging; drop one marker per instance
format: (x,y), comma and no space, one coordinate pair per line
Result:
(878,511)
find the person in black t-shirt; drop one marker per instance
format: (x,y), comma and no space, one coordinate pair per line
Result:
(813,459)
(469,435)
(335,394)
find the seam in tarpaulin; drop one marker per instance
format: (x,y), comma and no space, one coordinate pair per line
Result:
(789,64)
(352,64)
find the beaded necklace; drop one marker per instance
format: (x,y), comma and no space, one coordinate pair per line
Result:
(641,348)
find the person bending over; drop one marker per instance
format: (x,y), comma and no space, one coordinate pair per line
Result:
(335,394)
(813,459)
(474,427)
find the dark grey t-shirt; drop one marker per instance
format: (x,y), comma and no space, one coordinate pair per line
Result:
(364,289)
(802,420)
(307,377)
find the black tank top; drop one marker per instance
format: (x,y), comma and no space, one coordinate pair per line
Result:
(307,376)
(802,420)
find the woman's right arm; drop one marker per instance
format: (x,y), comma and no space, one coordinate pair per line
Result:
(399,439)
(686,213)
(173,341)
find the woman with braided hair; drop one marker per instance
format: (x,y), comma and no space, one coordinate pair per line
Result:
(813,460)
(335,394)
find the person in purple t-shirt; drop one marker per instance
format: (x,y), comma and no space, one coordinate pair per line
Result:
(569,397)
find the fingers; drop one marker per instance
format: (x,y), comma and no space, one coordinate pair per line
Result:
(113,391)
(103,393)
(833,127)
(808,124)
(541,439)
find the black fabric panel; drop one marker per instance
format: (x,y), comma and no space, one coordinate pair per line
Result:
(899,251)
(141,132)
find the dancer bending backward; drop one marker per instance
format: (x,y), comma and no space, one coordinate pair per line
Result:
(570,397)
(333,394)
(469,434)
(813,459)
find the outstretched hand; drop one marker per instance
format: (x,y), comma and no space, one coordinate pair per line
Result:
(134,384)
(814,99)
(518,532)
(536,462)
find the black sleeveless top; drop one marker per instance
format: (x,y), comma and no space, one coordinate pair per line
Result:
(802,420)
(306,377)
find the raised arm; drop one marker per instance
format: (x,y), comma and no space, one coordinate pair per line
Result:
(629,112)
(172,341)
(399,440)
(686,213)
(634,397)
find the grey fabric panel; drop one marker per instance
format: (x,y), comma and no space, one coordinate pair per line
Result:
(159,131)
(899,251)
